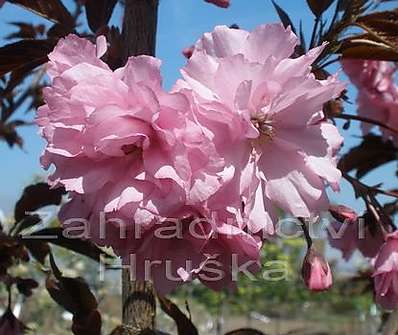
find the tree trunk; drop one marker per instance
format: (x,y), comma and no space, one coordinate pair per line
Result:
(139,27)
(139,36)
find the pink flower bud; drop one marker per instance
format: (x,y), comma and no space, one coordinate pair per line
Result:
(2,2)
(219,3)
(342,213)
(187,52)
(316,272)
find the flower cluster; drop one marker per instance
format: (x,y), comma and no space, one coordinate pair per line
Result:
(186,184)
(377,92)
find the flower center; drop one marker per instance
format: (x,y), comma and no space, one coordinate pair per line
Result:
(265,127)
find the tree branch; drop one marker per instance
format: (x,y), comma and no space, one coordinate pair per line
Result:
(139,36)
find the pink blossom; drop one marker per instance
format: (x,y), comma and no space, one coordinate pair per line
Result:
(10,325)
(270,106)
(106,131)
(2,2)
(386,273)
(354,235)
(220,3)
(316,272)
(377,92)
(136,157)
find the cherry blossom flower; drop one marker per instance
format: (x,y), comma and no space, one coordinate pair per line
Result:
(377,92)
(386,273)
(270,105)
(135,157)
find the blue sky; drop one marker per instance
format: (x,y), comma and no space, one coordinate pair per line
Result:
(181,22)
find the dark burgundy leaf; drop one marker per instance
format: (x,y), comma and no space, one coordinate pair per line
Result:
(284,17)
(9,134)
(35,197)
(87,324)
(26,30)
(382,26)
(318,7)
(373,152)
(52,10)
(10,325)
(99,13)
(184,324)
(245,331)
(17,55)
(38,249)
(26,286)
(57,236)
(73,294)
(25,223)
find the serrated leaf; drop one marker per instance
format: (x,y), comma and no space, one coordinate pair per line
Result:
(382,26)
(367,47)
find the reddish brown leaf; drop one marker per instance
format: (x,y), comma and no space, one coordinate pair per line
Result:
(284,17)
(382,26)
(26,286)
(87,324)
(245,331)
(56,236)
(367,47)
(17,55)
(52,10)
(99,13)
(73,294)
(39,250)
(35,197)
(370,154)
(184,324)
(318,7)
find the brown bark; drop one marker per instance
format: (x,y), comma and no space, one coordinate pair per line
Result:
(139,36)
(139,27)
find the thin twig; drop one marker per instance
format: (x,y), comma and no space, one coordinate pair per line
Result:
(366,120)
(306,233)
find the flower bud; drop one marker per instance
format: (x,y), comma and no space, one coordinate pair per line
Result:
(316,272)
(342,213)
(187,52)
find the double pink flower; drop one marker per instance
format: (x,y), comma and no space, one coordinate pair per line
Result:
(241,135)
